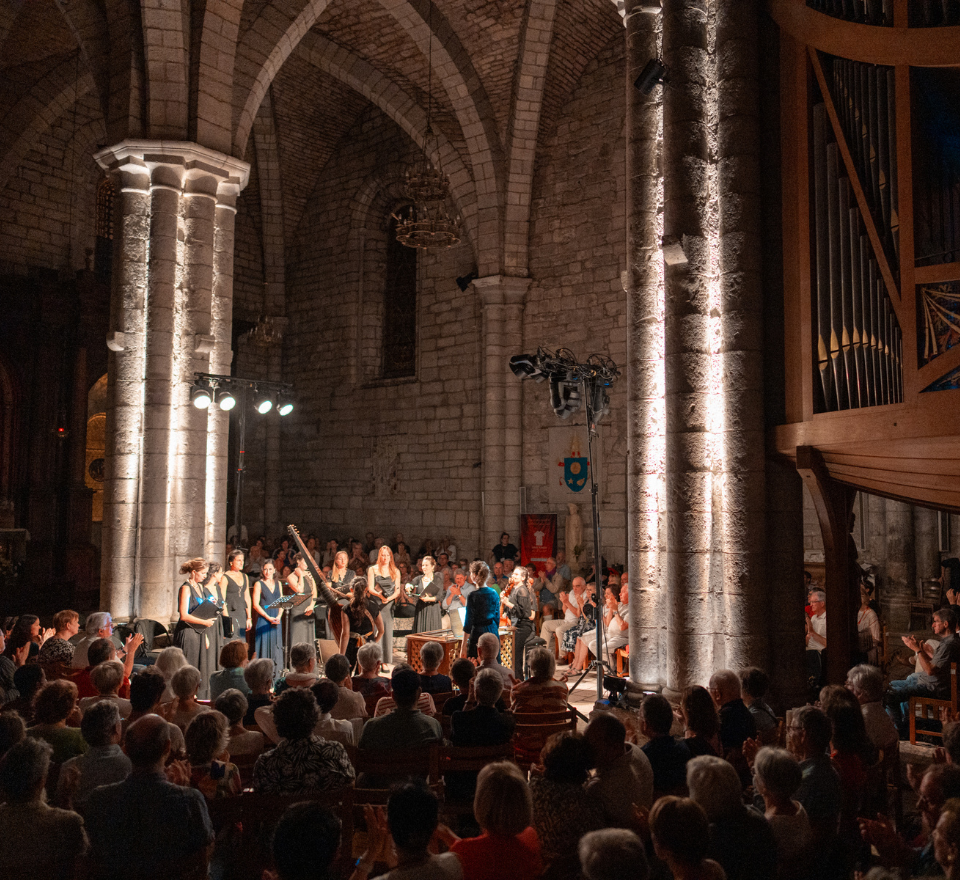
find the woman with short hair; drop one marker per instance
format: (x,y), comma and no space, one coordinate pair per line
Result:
(186,682)
(207,737)
(428,589)
(681,836)
(259,676)
(233,704)
(233,659)
(54,704)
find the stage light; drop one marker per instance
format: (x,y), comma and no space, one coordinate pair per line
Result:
(285,404)
(225,399)
(263,402)
(654,73)
(565,396)
(526,366)
(600,403)
(201,394)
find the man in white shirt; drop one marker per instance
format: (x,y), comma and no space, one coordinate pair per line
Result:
(570,602)
(816,625)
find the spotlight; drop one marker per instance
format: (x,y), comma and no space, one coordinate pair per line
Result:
(654,73)
(565,396)
(263,402)
(527,366)
(285,404)
(225,399)
(201,394)
(599,403)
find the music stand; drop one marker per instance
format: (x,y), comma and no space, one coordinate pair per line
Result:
(292,601)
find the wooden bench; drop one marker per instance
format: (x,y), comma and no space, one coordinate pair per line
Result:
(929,709)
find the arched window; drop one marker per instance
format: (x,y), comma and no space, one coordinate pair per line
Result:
(399,331)
(103,255)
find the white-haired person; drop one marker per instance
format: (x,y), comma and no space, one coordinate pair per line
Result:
(776,778)
(865,682)
(541,692)
(98,625)
(613,854)
(168,661)
(208,739)
(431,679)
(259,678)
(368,682)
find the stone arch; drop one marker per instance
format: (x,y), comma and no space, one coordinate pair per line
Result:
(218,48)
(125,107)
(165,64)
(402,109)
(88,24)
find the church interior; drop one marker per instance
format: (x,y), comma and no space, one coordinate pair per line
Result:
(752,210)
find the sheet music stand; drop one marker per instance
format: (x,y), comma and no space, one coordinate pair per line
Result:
(292,601)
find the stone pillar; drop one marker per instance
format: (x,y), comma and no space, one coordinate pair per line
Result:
(927,543)
(501,300)
(170,317)
(645,365)
(900,569)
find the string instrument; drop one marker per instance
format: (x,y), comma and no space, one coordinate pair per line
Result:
(334,612)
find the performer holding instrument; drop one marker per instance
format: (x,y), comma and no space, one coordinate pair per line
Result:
(366,622)
(483,610)
(342,583)
(383,583)
(428,589)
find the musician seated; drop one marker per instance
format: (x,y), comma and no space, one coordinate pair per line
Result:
(303,658)
(350,705)
(370,684)
(431,680)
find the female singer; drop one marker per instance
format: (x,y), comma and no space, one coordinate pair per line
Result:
(303,627)
(521,607)
(342,583)
(235,587)
(199,639)
(483,610)
(268,635)
(428,588)
(366,622)
(383,584)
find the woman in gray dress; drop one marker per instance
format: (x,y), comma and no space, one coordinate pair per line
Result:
(428,588)
(301,619)
(383,586)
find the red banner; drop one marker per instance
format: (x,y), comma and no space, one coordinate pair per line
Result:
(538,538)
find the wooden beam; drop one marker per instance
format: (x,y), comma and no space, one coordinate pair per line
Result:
(939,366)
(936,274)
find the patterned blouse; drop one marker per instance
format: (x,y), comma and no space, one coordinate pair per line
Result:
(299,765)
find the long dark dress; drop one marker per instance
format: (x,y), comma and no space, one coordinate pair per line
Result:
(361,625)
(267,637)
(303,628)
(386,586)
(483,616)
(236,605)
(519,616)
(202,649)
(338,587)
(426,616)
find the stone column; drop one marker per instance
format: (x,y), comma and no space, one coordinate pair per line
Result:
(645,365)
(900,568)
(168,304)
(501,300)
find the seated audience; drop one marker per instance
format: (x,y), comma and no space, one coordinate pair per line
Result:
(668,757)
(302,761)
(106,679)
(558,794)
(431,680)
(948,839)
(624,776)
(701,722)
(776,778)
(233,659)
(866,684)
(754,684)
(740,839)
(98,625)
(303,659)
(541,692)
(409,824)
(168,661)
(483,725)
(680,833)
(102,651)
(736,720)
(259,678)
(36,840)
(385,705)
(488,649)
(370,684)
(310,821)
(161,828)
(350,705)
(102,764)
(462,671)
(186,682)
(406,726)
(12,731)
(55,702)
(27,679)
(612,854)
(146,693)
(507,848)
(326,694)
(233,704)
(808,738)
(207,738)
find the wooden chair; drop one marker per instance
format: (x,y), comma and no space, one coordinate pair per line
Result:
(252,818)
(929,709)
(439,700)
(623,660)
(393,763)
(533,729)
(470,761)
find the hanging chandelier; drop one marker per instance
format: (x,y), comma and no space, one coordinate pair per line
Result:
(265,335)
(426,223)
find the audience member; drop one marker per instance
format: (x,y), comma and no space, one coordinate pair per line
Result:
(186,682)
(558,794)
(668,757)
(483,725)
(488,649)
(406,726)
(55,702)
(385,705)
(12,730)
(541,692)
(207,738)
(462,671)
(311,822)
(303,659)
(350,705)
(36,840)
(233,704)
(507,848)
(168,661)
(570,599)
(326,694)
(754,684)
(161,828)
(233,659)
(27,680)
(816,639)
(102,764)
(146,693)
(680,833)
(56,653)
(866,684)
(776,778)
(624,776)
(106,679)
(431,680)
(736,720)
(946,838)
(701,722)
(301,761)
(370,684)
(259,678)
(101,651)
(613,854)
(98,625)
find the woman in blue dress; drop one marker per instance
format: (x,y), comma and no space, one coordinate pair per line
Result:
(268,635)
(483,610)
(199,639)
